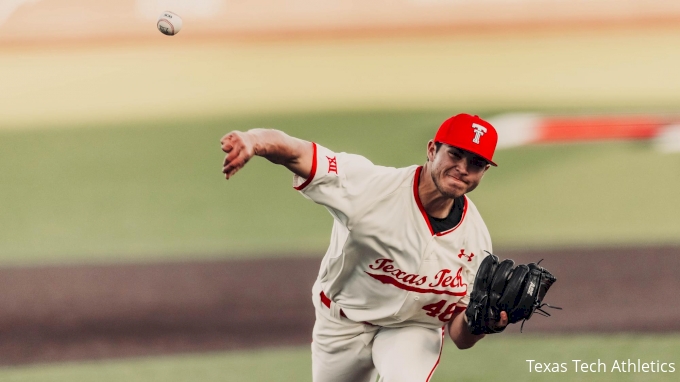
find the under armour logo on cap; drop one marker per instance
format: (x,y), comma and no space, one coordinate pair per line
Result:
(479,131)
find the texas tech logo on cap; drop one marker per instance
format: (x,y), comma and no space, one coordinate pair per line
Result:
(479,131)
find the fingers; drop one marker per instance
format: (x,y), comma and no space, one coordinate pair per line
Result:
(226,142)
(232,144)
(231,156)
(231,167)
(504,320)
(230,171)
(239,149)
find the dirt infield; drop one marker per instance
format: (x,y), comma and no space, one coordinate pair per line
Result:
(54,314)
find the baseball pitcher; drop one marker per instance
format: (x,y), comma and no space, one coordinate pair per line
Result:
(404,254)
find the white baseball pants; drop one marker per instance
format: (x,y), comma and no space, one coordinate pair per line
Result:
(346,351)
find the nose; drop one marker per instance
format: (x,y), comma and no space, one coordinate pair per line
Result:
(462,165)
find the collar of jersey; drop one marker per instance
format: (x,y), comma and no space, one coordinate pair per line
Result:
(416,180)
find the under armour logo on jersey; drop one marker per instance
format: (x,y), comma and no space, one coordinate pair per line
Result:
(479,131)
(332,165)
(462,254)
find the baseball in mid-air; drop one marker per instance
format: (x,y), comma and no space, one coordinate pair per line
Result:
(169,23)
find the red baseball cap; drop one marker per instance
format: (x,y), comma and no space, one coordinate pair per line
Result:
(470,133)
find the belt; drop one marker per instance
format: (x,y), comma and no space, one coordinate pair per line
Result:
(327,301)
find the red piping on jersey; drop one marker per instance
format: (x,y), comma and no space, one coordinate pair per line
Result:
(416,182)
(441,346)
(327,301)
(311,173)
(461,219)
(389,280)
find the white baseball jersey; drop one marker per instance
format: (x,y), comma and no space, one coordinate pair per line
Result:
(384,264)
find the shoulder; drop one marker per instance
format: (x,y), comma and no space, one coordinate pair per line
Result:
(386,180)
(477,222)
(349,184)
(359,169)
(329,161)
(350,175)
(471,209)
(473,213)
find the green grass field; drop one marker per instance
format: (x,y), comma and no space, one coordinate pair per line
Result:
(493,359)
(154,191)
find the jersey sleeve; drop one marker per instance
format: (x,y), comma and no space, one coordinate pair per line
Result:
(339,181)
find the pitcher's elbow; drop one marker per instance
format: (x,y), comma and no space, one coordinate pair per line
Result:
(461,345)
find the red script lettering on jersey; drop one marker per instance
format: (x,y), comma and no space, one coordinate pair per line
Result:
(412,282)
(449,281)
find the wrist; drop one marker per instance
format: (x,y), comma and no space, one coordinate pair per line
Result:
(466,324)
(251,138)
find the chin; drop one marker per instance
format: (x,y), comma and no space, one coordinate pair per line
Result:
(452,192)
(455,188)
(449,188)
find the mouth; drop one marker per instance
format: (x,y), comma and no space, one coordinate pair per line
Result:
(456,179)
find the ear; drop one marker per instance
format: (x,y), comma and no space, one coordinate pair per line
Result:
(431,150)
(488,166)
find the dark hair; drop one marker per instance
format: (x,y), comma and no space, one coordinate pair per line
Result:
(437,145)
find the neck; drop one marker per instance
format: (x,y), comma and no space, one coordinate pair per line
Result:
(434,202)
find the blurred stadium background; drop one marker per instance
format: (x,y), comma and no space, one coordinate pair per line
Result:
(125,256)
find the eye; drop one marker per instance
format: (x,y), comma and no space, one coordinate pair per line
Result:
(478,163)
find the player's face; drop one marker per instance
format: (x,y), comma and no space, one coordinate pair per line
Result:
(454,171)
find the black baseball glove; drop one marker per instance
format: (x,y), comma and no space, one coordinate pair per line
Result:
(502,286)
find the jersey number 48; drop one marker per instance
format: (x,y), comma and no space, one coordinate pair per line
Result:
(435,310)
